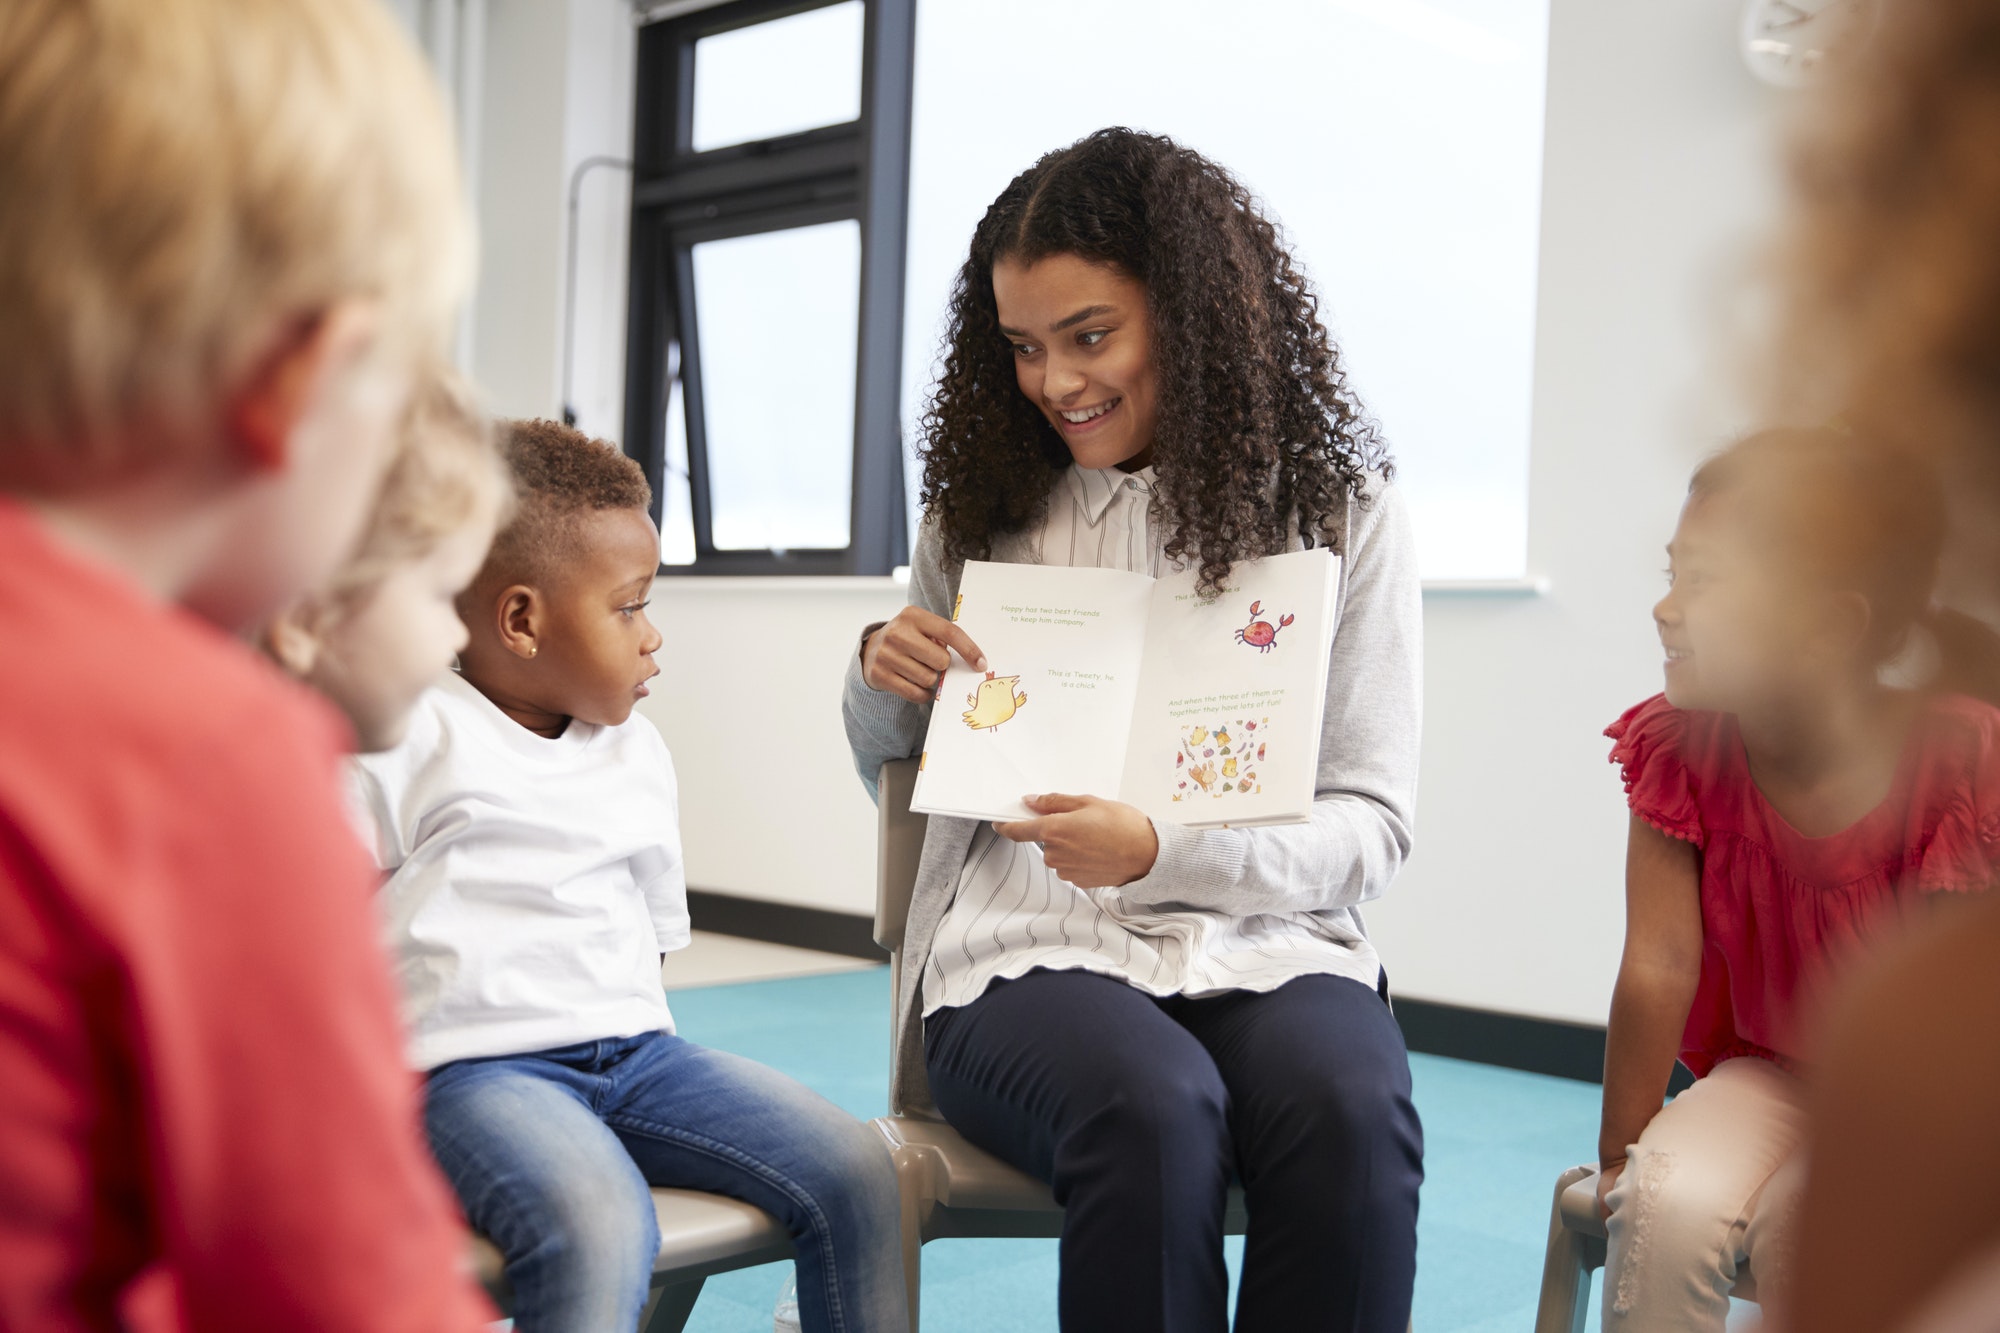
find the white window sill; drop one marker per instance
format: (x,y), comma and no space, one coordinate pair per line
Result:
(1532,585)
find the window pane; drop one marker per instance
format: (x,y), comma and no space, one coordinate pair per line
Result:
(676,500)
(778,315)
(780,77)
(1408,181)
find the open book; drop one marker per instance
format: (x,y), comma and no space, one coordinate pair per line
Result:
(1105,683)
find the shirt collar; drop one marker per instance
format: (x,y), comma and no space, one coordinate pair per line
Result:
(1095,488)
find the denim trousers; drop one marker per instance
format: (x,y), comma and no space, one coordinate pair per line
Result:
(552,1154)
(1140,1111)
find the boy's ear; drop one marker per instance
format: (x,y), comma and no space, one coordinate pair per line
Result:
(304,362)
(519,613)
(294,646)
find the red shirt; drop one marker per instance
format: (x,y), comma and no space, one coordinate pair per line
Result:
(1779,909)
(205,1118)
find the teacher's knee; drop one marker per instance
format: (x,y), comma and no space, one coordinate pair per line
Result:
(1334,1119)
(1176,1112)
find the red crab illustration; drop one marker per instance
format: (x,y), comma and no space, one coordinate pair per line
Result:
(1261,634)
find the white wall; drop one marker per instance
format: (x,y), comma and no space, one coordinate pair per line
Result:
(1657,178)
(1658,175)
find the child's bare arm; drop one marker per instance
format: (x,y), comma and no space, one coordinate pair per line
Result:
(1656,984)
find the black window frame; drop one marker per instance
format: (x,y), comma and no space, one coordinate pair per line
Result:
(858,170)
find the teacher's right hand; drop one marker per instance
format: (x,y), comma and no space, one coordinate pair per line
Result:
(908,655)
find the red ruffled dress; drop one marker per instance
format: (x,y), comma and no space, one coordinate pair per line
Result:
(1778,908)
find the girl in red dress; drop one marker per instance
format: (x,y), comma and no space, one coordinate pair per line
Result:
(1787,804)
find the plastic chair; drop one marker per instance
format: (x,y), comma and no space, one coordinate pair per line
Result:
(948,1187)
(700,1235)
(1576,1249)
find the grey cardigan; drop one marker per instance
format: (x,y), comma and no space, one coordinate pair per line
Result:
(1347,853)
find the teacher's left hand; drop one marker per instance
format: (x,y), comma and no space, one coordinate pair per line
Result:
(1091,842)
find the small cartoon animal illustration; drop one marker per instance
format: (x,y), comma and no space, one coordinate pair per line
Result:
(993,702)
(1261,634)
(1219,760)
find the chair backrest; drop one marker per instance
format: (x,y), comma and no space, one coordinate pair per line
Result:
(900,846)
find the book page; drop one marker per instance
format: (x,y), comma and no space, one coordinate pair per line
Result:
(1226,727)
(1050,714)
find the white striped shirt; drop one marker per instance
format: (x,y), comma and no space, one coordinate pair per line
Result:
(1011,914)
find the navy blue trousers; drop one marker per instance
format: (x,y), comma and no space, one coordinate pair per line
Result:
(1139,1112)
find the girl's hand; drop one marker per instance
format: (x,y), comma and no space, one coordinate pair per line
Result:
(1607,1176)
(908,655)
(1091,842)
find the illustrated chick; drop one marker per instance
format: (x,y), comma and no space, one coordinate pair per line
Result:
(993,702)
(1229,768)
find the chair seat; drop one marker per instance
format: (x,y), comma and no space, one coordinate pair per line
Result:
(1579,1207)
(963,1179)
(700,1234)
(965,1176)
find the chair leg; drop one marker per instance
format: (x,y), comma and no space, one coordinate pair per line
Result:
(668,1308)
(916,1196)
(1565,1301)
(910,1187)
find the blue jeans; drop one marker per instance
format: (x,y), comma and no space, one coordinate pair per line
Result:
(551,1154)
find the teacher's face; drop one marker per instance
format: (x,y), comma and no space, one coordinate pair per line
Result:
(1082,354)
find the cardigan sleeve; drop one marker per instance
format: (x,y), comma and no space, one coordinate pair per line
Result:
(1364,808)
(882,726)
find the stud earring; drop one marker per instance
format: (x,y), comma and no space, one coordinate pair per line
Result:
(533,649)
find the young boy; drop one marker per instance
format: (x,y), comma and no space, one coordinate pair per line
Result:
(528,825)
(385,628)
(226,233)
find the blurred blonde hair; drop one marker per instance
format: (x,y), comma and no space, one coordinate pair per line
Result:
(180,180)
(447,469)
(1891,268)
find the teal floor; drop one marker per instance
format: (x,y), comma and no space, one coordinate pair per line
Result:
(1495,1140)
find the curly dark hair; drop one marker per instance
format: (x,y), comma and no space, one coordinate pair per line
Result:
(1258,427)
(558,473)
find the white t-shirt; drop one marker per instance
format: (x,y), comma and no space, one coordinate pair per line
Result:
(532,883)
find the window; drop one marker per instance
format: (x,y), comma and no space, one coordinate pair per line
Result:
(1399,142)
(764,337)
(778,77)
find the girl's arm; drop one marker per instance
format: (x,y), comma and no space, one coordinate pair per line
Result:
(1656,985)
(1359,833)
(882,725)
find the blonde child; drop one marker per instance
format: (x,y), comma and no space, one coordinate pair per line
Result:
(1787,805)
(228,233)
(385,628)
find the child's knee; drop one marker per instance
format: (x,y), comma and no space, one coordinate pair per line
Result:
(606,1228)
(1671,1213)
(851,1163)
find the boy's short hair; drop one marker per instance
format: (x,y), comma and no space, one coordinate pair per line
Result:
(182,179)
(559,474)
(445,470)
